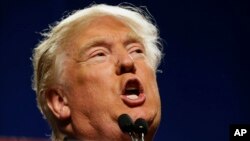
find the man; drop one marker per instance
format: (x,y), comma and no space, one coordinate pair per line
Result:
(92,67)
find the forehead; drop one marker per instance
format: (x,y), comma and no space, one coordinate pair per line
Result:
(99,29)
(105,26)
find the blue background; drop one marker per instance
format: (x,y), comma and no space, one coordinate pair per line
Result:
(205,81)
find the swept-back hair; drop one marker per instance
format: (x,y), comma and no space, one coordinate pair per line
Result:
(45,53)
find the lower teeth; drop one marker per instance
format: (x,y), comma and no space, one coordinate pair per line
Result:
(132,97)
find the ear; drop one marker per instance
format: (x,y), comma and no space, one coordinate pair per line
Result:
(58,103)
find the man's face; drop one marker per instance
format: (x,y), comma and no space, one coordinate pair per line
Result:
(106,74)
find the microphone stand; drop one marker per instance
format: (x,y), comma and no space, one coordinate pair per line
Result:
(132,136)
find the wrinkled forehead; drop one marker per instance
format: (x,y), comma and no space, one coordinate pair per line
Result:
(96,29)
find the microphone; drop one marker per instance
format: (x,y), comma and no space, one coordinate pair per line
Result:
(126,125)
(141,128)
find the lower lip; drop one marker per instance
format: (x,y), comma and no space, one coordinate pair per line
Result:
(134,102)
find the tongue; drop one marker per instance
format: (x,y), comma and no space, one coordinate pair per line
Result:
(132,97)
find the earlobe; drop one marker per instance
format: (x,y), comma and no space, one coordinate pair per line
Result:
(58,104)
(65,112)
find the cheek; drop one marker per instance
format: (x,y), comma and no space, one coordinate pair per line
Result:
(91,75)
(87,98)
(148,76)
(94,85)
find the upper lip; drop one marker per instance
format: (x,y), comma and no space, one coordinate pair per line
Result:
(132,84)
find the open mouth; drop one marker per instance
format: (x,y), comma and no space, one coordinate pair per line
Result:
(133,94)
(132,89)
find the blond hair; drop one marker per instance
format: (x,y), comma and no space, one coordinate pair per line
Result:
(45,52)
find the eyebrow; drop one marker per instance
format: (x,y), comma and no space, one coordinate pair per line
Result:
(132,37)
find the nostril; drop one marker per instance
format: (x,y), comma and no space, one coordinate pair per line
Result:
(125,64)
(127,69)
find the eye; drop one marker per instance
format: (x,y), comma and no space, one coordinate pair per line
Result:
(138,51)
(99,54)
(135,48)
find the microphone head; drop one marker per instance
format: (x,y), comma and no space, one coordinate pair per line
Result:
(125,123)
(141,126)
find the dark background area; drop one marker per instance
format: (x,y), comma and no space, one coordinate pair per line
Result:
(205,81)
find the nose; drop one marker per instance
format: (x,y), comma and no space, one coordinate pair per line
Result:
(125,64)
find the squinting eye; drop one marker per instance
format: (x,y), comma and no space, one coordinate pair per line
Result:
(100,54)
(138,51)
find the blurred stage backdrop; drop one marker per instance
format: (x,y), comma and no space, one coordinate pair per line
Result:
(204,84)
